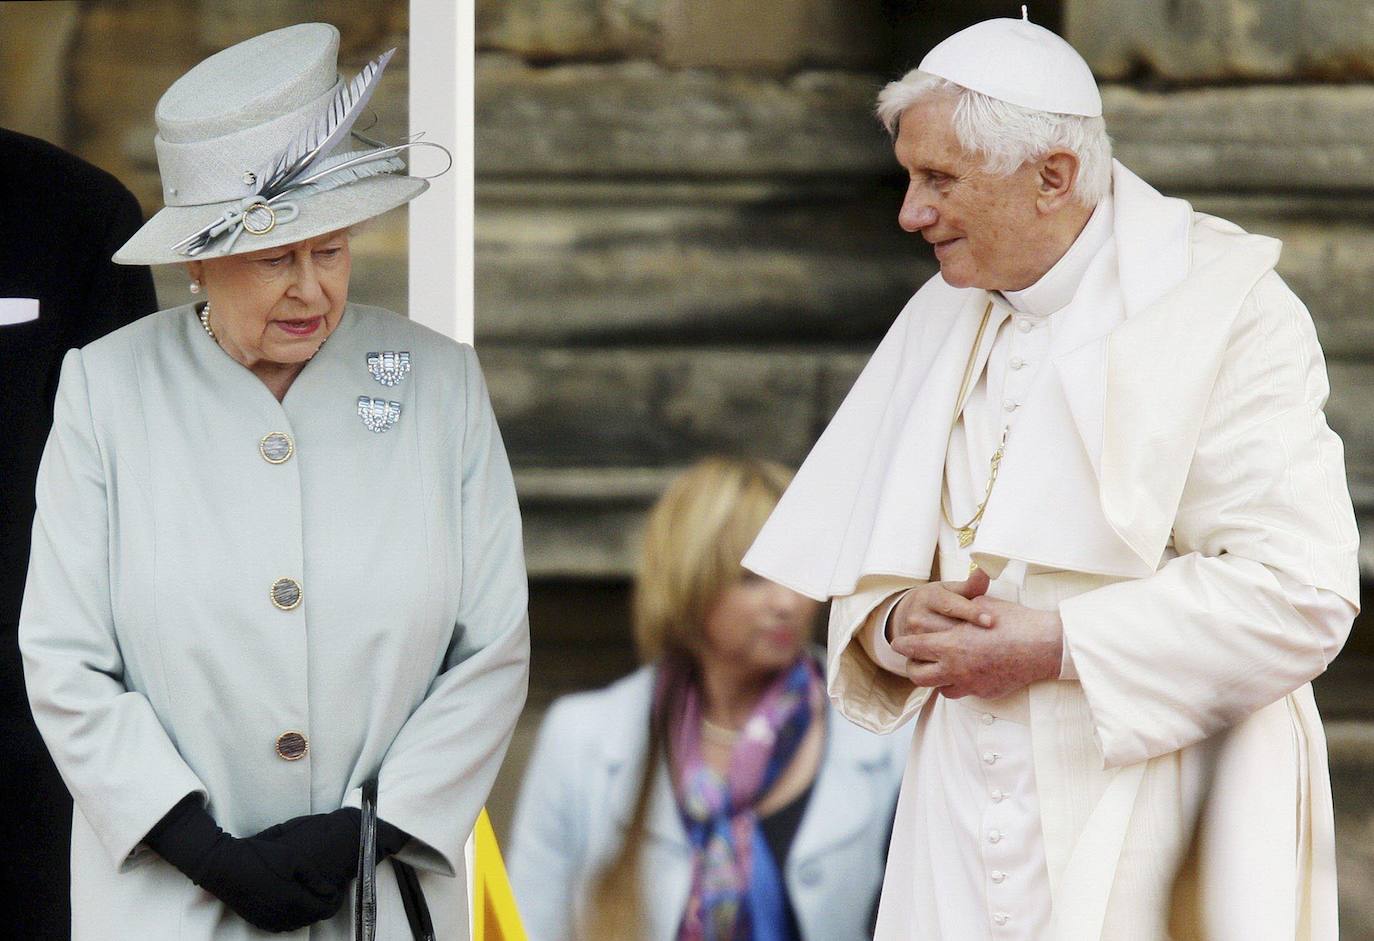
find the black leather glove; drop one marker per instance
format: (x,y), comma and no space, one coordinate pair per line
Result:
(271,885)
(330,841)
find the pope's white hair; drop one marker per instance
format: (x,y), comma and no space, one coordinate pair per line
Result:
(1008,135)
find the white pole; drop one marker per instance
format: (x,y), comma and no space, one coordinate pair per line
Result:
(442,42)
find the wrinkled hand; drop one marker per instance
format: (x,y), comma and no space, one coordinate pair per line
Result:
(941,606)
(1023,646)
(269,885)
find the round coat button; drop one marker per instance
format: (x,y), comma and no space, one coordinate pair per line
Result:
(292,746)
(286,593)
(276,447)
(994,836)
(999,876)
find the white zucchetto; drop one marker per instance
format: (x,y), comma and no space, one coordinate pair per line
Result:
(1018,62)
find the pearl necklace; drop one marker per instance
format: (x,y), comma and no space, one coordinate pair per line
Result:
(205,322)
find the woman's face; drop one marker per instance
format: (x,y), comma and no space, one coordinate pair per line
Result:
(758,626)
(277,306)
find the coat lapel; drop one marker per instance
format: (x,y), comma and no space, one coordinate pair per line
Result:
(851,777)
(622,753)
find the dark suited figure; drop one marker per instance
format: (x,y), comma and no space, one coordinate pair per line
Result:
(60,221)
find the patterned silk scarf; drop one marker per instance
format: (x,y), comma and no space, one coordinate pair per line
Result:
(737,889)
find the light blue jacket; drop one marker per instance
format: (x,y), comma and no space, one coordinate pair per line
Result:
(158,666)
(578,795)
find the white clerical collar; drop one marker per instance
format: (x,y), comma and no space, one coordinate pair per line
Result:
(1058,285)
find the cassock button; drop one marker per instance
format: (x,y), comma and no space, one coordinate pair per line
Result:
(998,876)
(989,757)
(286,593)
(987,718)
(292,746)
(1016,362)
(276,447)
(998,795)
(1008,405)
(994,836)
(1001,918)
(1025,326)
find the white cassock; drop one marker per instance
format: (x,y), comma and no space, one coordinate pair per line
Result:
(1170,486)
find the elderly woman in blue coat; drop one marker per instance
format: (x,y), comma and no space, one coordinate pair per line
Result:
(713,795)
(277,551)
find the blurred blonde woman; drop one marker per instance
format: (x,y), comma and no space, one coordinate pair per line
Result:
(711,795)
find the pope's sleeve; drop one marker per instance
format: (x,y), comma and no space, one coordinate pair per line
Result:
(547,852)
(113,753)
(1265,584)
(865,691)
(440,768)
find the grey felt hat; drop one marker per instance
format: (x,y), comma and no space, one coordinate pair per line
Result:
(252,149)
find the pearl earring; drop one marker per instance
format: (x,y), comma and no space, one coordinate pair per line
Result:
(195,286)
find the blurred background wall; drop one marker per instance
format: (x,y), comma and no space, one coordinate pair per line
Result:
(687,241)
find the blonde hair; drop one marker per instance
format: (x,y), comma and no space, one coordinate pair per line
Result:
(694,538)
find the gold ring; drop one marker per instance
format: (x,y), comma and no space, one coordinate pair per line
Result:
(260,230)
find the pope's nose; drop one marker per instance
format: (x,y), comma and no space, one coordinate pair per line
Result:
(915,217)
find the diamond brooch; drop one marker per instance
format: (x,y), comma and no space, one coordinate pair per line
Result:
(388,367)
(378,415)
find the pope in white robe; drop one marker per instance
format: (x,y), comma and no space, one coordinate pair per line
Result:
(1083,521)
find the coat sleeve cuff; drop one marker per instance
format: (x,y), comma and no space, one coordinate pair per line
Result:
(864,692)
(124,839)
(873,638)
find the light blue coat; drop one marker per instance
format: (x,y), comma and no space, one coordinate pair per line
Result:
(579,792)
(157,665)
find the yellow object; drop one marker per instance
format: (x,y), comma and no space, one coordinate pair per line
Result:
(494,914)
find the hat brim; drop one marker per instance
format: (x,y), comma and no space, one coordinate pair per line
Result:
(319,213)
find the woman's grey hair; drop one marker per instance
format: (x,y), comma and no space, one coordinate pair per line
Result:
(1009,135)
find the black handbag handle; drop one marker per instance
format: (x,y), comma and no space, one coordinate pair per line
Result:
(365,891)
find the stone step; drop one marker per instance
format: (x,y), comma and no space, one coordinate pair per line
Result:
(649,122)
(743,262)
(596,434)
(1239,39)
(661,407)
(762,35)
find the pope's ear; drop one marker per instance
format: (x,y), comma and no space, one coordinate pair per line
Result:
(1058,172)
